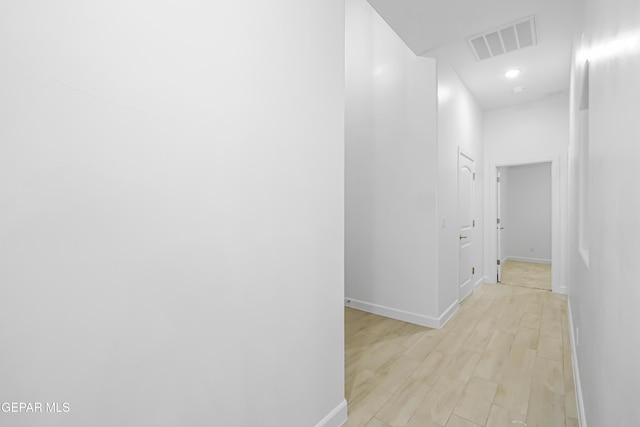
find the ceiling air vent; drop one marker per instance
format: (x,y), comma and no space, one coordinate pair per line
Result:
(514,36)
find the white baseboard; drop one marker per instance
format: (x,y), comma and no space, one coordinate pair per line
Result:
(336,417)
(492,280)
(478,283)
(448,313)
(582,420)
(405,316)
(524,259)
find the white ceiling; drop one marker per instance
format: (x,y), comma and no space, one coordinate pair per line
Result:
(440,28)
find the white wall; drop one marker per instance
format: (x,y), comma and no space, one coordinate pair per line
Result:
(532,133)
(527,214)
(402,172)
(456,106)
(527,131)
(391,171)
(603,293)
(171,212)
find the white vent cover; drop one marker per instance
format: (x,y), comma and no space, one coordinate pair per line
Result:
(514,36)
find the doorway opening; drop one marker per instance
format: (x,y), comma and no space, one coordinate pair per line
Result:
(524,225)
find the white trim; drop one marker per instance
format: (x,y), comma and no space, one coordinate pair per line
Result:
(487,281)
(584,254)
(448,313)
(405,316)
(335,418)
(582,419)
(524,259)
(558,165)
(479,283)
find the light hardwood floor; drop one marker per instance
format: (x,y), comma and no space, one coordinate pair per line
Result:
(527,274)
(504,359)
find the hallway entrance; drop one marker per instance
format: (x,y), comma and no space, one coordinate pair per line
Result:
(524,225)
(526,228)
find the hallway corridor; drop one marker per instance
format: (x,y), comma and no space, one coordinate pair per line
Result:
(504,359)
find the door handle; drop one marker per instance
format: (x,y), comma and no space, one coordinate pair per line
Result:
(462,237)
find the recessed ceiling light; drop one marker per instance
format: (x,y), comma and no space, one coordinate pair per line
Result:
(512,73)
(518,89)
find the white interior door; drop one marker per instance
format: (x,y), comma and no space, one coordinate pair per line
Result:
(466,270)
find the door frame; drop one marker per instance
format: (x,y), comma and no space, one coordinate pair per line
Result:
(557,249)
(499,227)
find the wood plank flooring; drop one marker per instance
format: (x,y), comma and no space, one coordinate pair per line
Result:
(527,274)
(503,360)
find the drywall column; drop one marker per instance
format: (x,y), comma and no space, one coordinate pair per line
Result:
(391,172)
(171,212)
(459,128)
